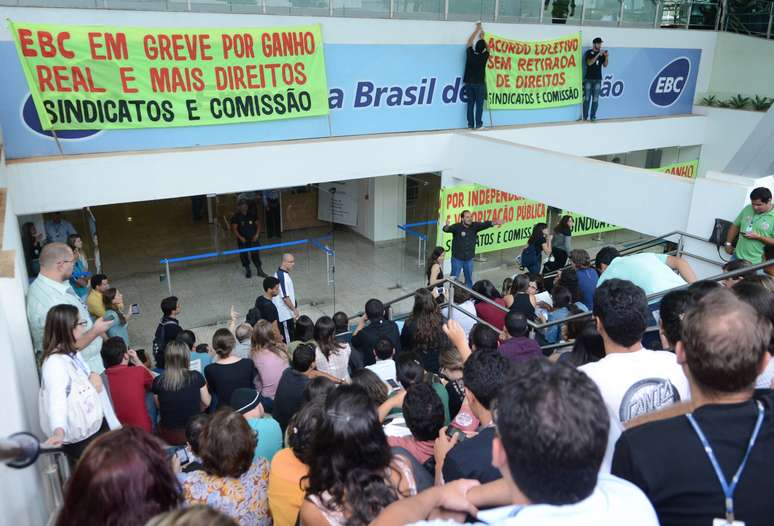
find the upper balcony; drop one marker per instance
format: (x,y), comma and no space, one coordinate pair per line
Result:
(753,18)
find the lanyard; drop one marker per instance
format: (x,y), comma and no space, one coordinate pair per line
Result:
(79,365)
(728,489)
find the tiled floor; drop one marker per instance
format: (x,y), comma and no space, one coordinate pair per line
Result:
(132,249)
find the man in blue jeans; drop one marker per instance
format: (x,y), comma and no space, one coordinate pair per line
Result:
(464,235)
(475,79)
(595,59)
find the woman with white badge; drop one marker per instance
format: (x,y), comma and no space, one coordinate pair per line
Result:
(70,402)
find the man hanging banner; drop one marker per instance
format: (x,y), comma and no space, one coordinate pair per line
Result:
(534,74)
(684,169)
(98,77)
(518,214)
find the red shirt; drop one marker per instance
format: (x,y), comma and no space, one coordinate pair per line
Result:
(128,386)
(492,314)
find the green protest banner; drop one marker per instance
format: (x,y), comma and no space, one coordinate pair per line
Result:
(683,169)
(100,77)
(518,214)
(584,225)
(533,74)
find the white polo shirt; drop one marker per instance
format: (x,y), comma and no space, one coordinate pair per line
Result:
(286,291)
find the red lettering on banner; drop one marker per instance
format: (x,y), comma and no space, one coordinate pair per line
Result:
(126,78)
(25,42)
(174,79)
(507,46)
(47,47)
(682,171)
(288,44)
(242,45)
(301,77)
(499,62)
(531,211)
(78,79)
(455,200)
(44,79)
(115,46)
(176,47)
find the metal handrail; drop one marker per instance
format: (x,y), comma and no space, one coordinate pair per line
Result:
(624,251)
(659,295)
(452,282)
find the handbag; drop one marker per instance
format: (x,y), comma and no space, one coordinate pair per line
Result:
(84,407)
(719,232)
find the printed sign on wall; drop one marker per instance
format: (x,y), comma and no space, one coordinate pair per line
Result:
(99,77)
(337,202)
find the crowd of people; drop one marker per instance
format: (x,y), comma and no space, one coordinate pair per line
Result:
(658,409)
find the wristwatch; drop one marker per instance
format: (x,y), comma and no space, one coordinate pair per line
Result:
(728,244)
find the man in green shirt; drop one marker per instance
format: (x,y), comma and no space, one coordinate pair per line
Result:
(756,224)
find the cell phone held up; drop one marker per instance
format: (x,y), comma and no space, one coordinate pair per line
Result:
(451,431)
(180,452)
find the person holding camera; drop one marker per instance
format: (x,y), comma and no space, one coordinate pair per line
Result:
(753,228)
(595,58)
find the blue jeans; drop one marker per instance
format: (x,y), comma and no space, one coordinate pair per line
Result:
(591,89)
(476,94)
(465,265)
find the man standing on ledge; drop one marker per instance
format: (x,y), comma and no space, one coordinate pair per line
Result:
(464,236)
(475,79)
(595,59)
(756,224)
(244,224)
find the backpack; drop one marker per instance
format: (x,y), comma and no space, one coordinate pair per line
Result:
(160,342)
(84,407)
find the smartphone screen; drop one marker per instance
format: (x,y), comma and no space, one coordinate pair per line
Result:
(392,383)
(182,456)
(135,309)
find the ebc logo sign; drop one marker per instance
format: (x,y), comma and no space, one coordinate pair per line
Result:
(30,118)
(668,84)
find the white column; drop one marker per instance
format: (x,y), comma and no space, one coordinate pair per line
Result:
(22,500)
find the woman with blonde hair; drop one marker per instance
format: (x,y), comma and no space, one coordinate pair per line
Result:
(179,393)
(269,357)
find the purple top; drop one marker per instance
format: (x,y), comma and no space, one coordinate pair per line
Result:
(520,349)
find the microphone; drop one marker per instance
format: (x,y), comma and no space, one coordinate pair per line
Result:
(19,450)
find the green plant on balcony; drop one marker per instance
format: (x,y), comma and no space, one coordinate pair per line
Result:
(710,100)
(761,103)
(723,104)
(738,102)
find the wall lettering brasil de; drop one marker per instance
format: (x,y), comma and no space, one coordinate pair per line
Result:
(98,77)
